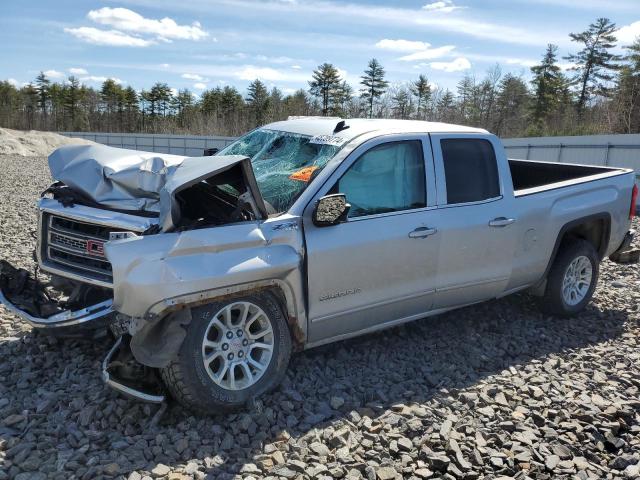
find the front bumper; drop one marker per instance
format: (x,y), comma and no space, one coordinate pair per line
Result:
(26,297)
(121,372)
(625,254)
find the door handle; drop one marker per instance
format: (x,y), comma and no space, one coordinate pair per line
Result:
(501,222)
(422,232)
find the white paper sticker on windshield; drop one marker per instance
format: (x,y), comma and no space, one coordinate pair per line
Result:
(328,140)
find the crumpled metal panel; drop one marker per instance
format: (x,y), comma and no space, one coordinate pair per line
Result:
(114,177)
(191,171)
(139,181)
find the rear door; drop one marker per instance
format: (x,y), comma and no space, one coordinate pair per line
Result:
(475,219)
(379,265)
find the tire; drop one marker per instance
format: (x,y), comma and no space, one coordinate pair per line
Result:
(560,301)
(192,383)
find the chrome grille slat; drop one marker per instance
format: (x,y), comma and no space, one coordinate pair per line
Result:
(74,264)
(65,245)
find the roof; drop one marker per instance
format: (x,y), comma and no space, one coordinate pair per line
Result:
(357,126)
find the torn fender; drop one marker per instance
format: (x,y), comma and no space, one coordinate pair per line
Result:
(150,272)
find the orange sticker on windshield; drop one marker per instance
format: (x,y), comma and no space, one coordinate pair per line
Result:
(304,174)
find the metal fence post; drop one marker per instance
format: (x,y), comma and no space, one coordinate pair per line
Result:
(606,158)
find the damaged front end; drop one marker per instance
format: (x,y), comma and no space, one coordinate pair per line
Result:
(60,306)
(121,232)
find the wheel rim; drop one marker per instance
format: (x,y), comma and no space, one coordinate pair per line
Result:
(237,345)
(577,280)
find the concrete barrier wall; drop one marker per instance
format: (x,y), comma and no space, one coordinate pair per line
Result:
(189,145)
(613,150)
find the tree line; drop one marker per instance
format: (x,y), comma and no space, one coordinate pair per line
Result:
(600,93)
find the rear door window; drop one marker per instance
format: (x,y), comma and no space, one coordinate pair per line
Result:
(471,170)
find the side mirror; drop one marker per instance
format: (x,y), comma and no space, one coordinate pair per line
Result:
(209,152)
(331,210)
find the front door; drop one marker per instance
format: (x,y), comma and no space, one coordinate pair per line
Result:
(379,265)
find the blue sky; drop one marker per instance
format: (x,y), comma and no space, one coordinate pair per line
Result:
(200,44)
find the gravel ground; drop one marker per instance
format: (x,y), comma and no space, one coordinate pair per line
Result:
(492,391)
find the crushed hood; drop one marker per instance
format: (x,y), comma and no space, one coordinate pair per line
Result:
(114,177)
(134,180)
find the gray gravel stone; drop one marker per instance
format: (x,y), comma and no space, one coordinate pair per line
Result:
(499,390)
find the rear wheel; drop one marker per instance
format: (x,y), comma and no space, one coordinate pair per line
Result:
(234,351)
(572,279)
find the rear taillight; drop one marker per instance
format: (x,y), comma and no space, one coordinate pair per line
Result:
(634,199)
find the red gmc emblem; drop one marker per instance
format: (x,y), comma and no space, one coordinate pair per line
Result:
(95,247)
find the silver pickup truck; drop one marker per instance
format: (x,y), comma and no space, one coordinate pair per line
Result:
(210,271)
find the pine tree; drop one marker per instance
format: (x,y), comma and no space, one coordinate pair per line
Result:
(595,62)
(343,94)
(374,83)
(511,106)
(30,99)
(445,107)
(548,83)
(422,91)
(627,92)
(258,101)
(42,86)
(131,106)
(324,85)
(401,102)
(72,102)
(466,92)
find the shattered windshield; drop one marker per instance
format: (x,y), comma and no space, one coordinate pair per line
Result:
(284,163)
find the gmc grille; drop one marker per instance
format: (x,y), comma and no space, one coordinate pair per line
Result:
(75,247)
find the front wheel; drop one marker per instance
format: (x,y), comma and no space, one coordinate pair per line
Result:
(572,279)
(234,351)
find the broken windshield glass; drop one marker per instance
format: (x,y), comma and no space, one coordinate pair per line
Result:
(284,163)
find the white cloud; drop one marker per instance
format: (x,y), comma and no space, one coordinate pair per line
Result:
(628,34)
(194,76)
(521,61)
(165,65)
(343,74)
(429,54)
(508,31)
(200,86)
(165,29)
(296,67)
(250,72)
(457,65)
(99,79)
(174,91)
(13,82)
(54,74)
(113,38)
(445,6)
(276,60)
(77,71)
(402,45)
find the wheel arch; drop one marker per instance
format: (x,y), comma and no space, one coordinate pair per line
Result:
(278,289)
(595,229)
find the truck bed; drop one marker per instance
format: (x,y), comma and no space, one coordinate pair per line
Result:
(530,176)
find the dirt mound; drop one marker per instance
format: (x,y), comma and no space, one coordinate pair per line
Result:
(32,143)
